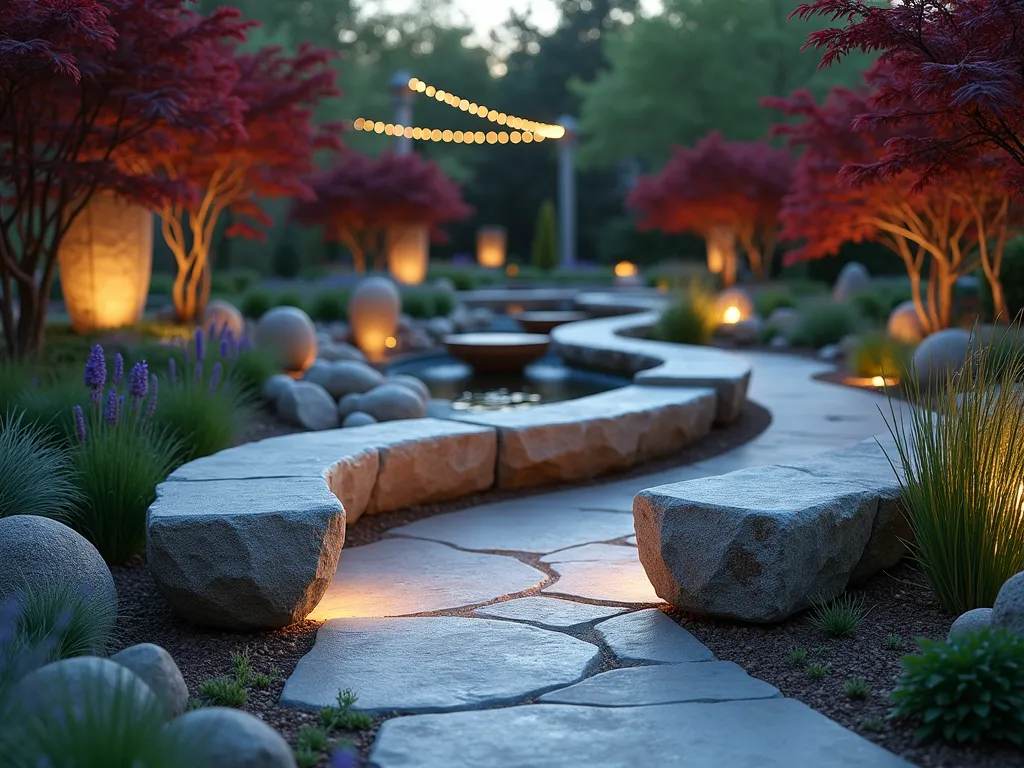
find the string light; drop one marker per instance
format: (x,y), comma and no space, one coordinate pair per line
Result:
(446,137)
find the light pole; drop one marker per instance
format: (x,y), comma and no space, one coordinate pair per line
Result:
(567,191)
(402,96)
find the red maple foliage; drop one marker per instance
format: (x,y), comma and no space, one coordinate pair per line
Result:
(79,81)
(362,198)
(268,156)
(961,62)
(940,231)
(724,191)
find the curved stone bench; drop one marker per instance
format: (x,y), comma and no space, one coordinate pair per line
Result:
(761,544)
(611,344)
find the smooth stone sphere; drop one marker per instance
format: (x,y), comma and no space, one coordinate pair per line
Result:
(275,385)
(38,553)
(349,404)
(358,419)
(221,314)
(939,356)
(413,384)
(979,618)
(373,311)
(1008,610)
(345,377)
(87,681)
(392,402)
(904,324)
(230,738)
(309,406)
(853,279)
(290,336)
(155,667)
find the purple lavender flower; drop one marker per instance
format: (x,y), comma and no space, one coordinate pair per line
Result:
(227,342)
(118,369)
(200,345)
(199,370)
(112,407)
(96,373)
(120,406)
(172,369)
(139,381)
(153,392)
(214,378)
(343,758)
(80,424)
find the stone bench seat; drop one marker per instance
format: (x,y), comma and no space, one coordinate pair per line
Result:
(761,544)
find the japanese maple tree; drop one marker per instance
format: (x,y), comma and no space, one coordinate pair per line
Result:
(941,231)
(727,193)
(268,158)
(961,60)
(361,199)
(80,80)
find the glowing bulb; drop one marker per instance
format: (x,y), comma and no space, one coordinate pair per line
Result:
(527,138)
(417,133)
(492,116)
(359,123)
(413,83)
(407,133)
(503,138)
(732,315)
(480,137)
(625,269)
(481,111)
(516,137)
(430,90)
(389,130)
(502,118)
(447,136)
(378,128)
(421,87)
(877,381)
(457,136)
(464,105)
(435,135)
(492,138)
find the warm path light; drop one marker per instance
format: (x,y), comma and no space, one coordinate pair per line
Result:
(490,247)
(625,269)
(373,314)
(732,315)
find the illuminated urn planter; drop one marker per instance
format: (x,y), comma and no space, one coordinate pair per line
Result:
(289,336)
(408,253)
(105,263)
(490,247)
(373,313)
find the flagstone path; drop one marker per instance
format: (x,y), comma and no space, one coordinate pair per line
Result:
(525,633)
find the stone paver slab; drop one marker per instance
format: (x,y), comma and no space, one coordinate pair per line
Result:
(651,637)
(398,577)
(519,527)
(609,572)
(435,664)
(665,684)
(548,611)
(777,733)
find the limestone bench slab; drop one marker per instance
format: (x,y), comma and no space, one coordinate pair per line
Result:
(611,344)
(762,544)
(586,437)
(250,537)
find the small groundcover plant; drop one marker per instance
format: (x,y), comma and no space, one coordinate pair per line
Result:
(691,319)
(969,688)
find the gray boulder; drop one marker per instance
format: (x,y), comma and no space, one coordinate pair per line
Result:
(392,402)
(344,377)
(308,405)
(86,682)
(760,544)
(979,618)
(39,553)
(348,404)
(939,356)
(904,323)
(289,335)
(853,278)
(413,384)
(1008,609)
(229,738)
(155,667)
(358,419)
(275,385)
(337,351)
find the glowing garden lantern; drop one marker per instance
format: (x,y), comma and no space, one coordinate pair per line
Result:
(373,314)
(625,269)
(105,262)
(733,306)
(408,253)
(490,247)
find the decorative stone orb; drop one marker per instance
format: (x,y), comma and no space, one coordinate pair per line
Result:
(85,681)
(904,324)
(733,305)
(289,335)
(939,356)
(979,618)
(373,311)
(230,738)
(1008,609)
(853,278)
(221,314)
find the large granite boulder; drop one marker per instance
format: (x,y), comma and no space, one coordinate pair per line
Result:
(761,544)
(37,553)
(307,405)
(245,554)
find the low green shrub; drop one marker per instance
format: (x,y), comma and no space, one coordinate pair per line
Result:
(62,619)
(329,306)
(961,464)
(770,299)
(802,288)
(969,688)
(290,299)
(255,304)
(250,370)
(876,353)
(463,278)
(36,475)
(878,302)
(691,319)
(822,321)
(856,688)
(224,692)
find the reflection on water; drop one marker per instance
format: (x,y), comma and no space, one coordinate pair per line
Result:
(546,381)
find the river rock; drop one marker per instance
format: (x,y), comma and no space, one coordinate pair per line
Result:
(338,351)
(358,419)
(76,686)
(155,667)
(344,377)
(275,385)
(1008,610)
(413,384)
(229,738)
(393,402)
(439,327)
(979,618)
(308,405)
(853,279)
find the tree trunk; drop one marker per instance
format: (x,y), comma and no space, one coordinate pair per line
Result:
(721,254)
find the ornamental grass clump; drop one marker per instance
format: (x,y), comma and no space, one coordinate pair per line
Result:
(120,454)
(201,405)
(969,688)
(61,618)
(876,353)
(36,476)
(691,319)
(961,469)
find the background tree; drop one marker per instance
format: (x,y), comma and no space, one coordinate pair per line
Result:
(361,198)
(728,193)
(941,231)
(79,81)
(545,238)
